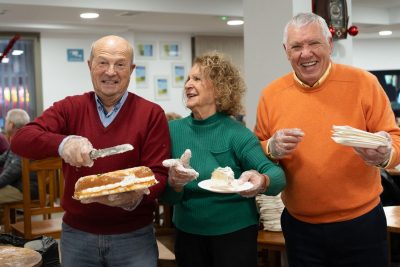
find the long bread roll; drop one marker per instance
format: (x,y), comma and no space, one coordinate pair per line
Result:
(114,182)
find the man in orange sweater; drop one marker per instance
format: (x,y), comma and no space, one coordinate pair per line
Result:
(333,215)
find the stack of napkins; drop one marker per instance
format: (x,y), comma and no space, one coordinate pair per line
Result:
(349,136)
(270,208)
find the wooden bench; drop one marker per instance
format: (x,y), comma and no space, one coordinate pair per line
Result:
(272,243)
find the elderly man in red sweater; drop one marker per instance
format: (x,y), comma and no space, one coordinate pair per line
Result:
(333,215)
(114,234)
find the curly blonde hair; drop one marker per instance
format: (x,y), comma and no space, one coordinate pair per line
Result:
(228,83)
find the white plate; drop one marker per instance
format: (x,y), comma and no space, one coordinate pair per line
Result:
(208,185)
(356,143)
(35,245)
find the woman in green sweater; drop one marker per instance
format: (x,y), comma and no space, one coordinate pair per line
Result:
(216,229)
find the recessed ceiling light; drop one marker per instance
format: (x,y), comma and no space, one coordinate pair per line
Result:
(385,33)
(17,52)
(235,22)
(5,60)
(89,15)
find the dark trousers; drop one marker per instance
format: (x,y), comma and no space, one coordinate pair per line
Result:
(361,242)
(237,249)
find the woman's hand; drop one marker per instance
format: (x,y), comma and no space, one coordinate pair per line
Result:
(180,173)
(260,183)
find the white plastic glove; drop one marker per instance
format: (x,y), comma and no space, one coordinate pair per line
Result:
(125,200)
(76,151)
(180,173)
(284,142)
(378,156)
(260,183)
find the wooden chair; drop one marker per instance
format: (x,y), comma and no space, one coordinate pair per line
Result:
(50,181)
(165,234)
(10,214)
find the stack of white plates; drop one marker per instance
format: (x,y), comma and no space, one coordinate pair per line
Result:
(270,208)
(349,136)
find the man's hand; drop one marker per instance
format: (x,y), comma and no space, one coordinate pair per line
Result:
(180,173)
(76,151)
(284,142)
(378,156)
(125,200)
(260,183)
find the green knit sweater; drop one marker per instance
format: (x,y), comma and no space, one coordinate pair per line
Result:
(217,141)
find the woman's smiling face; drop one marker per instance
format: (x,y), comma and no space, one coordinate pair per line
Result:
(200,94)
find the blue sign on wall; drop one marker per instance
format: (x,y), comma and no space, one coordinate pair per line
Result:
(75,55)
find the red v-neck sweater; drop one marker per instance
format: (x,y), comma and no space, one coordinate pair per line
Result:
(139,122)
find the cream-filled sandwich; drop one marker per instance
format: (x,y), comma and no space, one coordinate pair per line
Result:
(114,182)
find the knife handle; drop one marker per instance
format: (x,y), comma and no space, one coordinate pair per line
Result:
(94,154)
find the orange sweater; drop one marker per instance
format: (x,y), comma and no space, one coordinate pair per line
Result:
(328,182)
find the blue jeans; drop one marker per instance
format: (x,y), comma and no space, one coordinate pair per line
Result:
(134,249)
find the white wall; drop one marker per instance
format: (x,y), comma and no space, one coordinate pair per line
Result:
(61,78)
(376,54)
(265,59)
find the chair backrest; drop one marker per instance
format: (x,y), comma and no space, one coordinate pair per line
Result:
(50,180)
(163,219)
(165,234)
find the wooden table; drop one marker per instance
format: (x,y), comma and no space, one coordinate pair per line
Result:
(393,223)
(274,243)
(393,218)
(393,172)
(16,256)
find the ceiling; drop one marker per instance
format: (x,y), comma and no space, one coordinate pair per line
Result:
(189,16)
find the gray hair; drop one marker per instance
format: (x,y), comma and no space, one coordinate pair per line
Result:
(18,116)
(303,19)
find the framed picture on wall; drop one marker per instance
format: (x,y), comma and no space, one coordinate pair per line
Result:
(170,50)
(178,75)
(141,75)
(145,50)
(161,87)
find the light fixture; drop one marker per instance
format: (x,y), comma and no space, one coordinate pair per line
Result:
(89,15)
(17,52)
(5,60)
(235,22)
(385,33)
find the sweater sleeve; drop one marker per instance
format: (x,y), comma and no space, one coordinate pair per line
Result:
(380,117)
(260,128)
(170,196)
(252,157)
(41,138)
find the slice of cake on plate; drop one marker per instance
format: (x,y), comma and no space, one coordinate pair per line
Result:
(222,177)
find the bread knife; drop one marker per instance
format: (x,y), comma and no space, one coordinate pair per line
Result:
(101,153)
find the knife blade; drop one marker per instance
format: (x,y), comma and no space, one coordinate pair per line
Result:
(100,153)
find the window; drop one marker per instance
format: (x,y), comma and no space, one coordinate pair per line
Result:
(19,81)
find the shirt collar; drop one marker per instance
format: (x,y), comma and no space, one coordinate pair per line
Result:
(320,81)
(117,106)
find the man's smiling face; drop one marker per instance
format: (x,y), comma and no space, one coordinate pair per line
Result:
(308,51)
